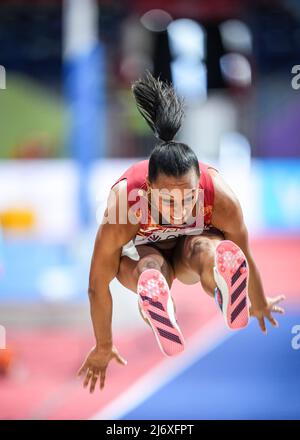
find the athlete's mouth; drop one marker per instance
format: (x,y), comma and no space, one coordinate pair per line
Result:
(181,217)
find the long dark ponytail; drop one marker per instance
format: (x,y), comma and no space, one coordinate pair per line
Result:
(163,111)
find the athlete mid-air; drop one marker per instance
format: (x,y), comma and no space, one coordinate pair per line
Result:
(170,217)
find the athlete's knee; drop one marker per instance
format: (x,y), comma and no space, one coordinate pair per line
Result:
(149,262)
(155,262)
(203,245)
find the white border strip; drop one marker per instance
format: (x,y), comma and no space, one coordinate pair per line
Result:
(204,341)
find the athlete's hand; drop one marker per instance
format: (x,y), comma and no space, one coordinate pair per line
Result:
(265,310)
(95,365)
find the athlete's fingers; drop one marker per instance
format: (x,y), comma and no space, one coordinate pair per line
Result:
(82,369)
(262,325)
(88,377)
(251,311)
(277,309)
(94,381)
(272,320)
(277,299)
(102,379)
(120,359)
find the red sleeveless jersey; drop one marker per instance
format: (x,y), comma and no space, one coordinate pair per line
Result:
(149,232)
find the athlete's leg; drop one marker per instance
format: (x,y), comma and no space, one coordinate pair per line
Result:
(150,258)
(194,260)
(221,267)
(151,278)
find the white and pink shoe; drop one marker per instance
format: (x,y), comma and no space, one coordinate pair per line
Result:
(157,308)
(231,275)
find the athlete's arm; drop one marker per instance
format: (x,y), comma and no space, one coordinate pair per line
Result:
(110,238)
(228,217)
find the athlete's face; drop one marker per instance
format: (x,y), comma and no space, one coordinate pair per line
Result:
(175,197)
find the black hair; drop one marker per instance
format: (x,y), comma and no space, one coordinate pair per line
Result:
(163,111)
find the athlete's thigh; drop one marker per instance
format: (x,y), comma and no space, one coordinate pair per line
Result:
(188,248)
(128,270)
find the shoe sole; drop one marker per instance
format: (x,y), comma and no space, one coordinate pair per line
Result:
(157,307)
(231,274)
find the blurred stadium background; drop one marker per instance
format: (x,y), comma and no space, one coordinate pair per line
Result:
(69,127)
